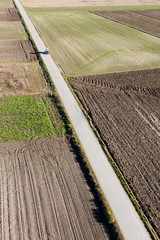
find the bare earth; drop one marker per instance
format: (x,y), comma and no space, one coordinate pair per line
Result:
(124,108)
(9,14)
(16,51)
(44,194)
(69,3)
(135,19)
(21,78)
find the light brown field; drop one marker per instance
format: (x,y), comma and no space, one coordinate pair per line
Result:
(70,3)
(17,51)
(21,78)
(44,194)
(9,14)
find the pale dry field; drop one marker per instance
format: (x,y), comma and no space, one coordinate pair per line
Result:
(44,194)
(70,3)
(21,78)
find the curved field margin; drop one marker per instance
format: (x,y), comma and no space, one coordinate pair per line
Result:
(44,194)
(133,19)
(124,108)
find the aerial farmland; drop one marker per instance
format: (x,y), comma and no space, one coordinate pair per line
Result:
(111,60)
(44,192)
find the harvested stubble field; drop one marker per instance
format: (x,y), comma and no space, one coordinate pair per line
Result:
(9,14)
(124,108)
(44,194)
(28,117)
(18,78)
(82,43)
(131,18)
(6,3)
(17,51)
(12,30)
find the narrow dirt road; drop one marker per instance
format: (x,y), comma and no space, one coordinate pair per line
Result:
(127,218)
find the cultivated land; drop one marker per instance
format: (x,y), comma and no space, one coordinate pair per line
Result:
(44,194)
(9,14)
(6,3)
(135,19)
(124,108)
(69,3)
(12,31)
(82,43)
(17,51)
(19,78)
(28,117)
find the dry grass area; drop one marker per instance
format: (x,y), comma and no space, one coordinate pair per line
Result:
(124,108)
(21,78)
(131,18)
(17,51)
(44,194)
(9,14)
(70,3)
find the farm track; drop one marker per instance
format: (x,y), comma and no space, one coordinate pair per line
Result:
(44,194)
(9,14)
(17,51)
(124,108)
(135,19)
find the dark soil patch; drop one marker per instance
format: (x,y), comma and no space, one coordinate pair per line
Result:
(124,108)
(134,19)
(17,51)
(9,14)
(153,13)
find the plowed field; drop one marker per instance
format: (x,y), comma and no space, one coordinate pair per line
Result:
(44,194)
(124,108)
(9,14)
(16,51)
(132,19)
(153,13)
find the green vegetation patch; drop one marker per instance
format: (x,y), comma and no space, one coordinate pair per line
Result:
(28,117)
(82,43)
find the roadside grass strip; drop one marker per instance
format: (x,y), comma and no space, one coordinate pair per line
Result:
(25,118)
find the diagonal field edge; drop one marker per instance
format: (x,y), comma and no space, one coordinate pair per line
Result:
(128,220)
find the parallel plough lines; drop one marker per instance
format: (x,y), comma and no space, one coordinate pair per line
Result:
(128,121)
(42,197)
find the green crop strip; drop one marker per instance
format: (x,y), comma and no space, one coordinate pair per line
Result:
(28,117)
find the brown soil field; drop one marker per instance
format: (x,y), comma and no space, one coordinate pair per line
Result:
(17,51)
(124,108)
(21,78)
(133,19)
(44,194)
(153,13)
(9,14)
(69,3)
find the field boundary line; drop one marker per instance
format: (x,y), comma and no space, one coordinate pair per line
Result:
(92,12)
